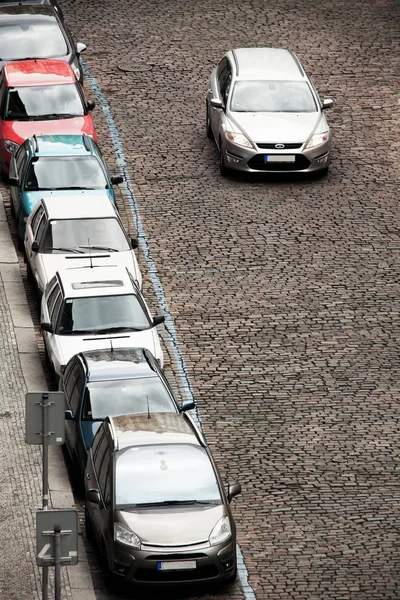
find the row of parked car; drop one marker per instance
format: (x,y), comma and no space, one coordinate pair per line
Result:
(156,505)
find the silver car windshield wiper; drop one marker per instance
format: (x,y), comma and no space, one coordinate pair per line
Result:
(99,248)
(75,331)
(168,503)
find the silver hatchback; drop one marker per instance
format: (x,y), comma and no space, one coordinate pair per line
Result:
(265,114)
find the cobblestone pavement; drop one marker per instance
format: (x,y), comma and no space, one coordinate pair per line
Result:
(284,291)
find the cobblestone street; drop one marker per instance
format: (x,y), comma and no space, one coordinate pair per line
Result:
(284,291)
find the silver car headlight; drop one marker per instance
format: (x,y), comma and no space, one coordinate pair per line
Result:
(317,139)
(221,532)
(126,536)
(11,146)
(238,138)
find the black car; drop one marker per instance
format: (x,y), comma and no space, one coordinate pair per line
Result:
(37,31)
(53,3)
(99,383)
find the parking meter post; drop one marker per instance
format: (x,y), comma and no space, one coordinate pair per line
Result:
(57,563)
(45,582)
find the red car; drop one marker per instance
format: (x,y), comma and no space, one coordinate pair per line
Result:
(41,97)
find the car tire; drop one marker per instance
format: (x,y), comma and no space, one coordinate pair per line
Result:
(222,167)
(233,577)
(88,527)
(29,273)
(208,124)
(12,208)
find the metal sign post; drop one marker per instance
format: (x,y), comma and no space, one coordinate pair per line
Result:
(56,541)
(45,424)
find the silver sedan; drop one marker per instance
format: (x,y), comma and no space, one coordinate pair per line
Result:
(265,114)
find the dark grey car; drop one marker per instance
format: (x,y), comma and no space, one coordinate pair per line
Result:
(155,502)
(37,31)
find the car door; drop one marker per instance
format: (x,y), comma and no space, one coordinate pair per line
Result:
(101,465)
(50,312)
(33,232)
(2,109)
(17,169)
(73,389)
(224,78)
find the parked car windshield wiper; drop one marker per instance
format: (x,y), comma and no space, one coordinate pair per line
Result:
(65,249)
(75,331)
(99,248)
(117,329)
(56,116)
(168,503)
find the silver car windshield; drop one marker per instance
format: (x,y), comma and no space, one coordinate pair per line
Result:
(272,96)
(102,314)
(164,473)
(65,172)
(126,396)
(83,236)
(31,37)
(44,102)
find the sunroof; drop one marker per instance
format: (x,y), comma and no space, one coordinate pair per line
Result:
(89,285)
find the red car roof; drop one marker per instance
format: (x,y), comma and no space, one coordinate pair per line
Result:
(38,72)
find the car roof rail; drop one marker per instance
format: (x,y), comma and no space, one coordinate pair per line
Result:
(36,147)
(86,142)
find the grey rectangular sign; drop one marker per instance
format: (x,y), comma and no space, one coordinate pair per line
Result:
(35,404)
(47,521)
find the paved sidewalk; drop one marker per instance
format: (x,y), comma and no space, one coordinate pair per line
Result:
(20,464)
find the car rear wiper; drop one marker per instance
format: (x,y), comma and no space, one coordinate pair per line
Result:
(75,250)
(99,248)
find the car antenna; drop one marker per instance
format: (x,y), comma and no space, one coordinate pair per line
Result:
(111,344)
(148,408)
(90,254)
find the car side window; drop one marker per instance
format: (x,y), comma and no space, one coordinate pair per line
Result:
(100,453)
(97,439)
(56,309)
(39,231)
(224,75)
(104,477)
(2,97)
(37,214)
(21,159)
(70,382)
(51,298)
(76,392)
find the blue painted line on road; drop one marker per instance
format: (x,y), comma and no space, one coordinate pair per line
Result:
(173,344)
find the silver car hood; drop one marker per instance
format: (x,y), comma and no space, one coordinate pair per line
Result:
(277,127)
(173,526)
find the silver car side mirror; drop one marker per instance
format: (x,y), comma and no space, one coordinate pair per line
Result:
(80,47)
(216,103)
(327,103)
(234,488)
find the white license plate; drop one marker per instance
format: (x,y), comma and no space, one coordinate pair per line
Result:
(290,158)
(176,565)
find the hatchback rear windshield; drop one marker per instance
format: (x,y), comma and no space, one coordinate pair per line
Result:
(65,173)
(126,396)
(30,37)
(164,473)
(44,102)
(272,96)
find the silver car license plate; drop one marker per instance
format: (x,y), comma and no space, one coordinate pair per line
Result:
(285,158)
(176,565)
